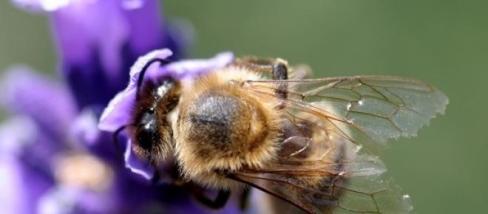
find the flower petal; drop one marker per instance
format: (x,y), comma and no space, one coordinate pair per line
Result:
(15,134)
(63,199)
(98,49)
(11,198)
(84,128)
(24,165)
(48,103)
(110,24)
(138,66)
(40,5)
(190,68)
(145,25)
(117,113)
(26,141)
(136,165)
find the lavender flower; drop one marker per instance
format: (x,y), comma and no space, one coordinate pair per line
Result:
(98,41)
(53,159)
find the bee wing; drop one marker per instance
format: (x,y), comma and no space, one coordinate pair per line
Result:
(325,175)
(321,175)
(367,110)
(350,112)
(362,188)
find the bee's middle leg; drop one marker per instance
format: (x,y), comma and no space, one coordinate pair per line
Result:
(278,68)
(279,71)
(244,198)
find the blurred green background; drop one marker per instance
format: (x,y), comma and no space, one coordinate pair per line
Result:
(442,42)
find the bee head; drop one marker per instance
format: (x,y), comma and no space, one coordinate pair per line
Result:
(151,133)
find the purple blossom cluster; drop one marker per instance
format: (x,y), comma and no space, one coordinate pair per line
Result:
(53,156)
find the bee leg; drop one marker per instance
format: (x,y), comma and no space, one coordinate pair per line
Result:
(244,198)
(280,72)
(217,203)
(156,177)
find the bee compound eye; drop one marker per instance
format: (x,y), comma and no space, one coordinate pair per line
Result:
(147,132)
(145,138)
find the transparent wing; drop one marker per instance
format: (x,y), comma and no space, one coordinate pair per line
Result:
(321,171)
(362,188)
(367,109)
(321,167)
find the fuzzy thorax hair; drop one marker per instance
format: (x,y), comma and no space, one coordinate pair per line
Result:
(221,127)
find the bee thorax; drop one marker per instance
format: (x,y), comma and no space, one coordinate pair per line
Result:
(219,120)
(221,128)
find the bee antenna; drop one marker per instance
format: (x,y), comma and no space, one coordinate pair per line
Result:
(143,72)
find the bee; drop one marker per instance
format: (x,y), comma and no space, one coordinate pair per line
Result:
(261,123)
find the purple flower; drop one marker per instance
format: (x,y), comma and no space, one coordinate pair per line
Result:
(53,158)
(99,40)
(36,142)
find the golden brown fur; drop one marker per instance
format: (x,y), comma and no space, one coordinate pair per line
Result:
(254,133)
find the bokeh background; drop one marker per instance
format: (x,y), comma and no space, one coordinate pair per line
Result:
(445,168)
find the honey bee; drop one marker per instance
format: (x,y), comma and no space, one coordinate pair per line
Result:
(262,123)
